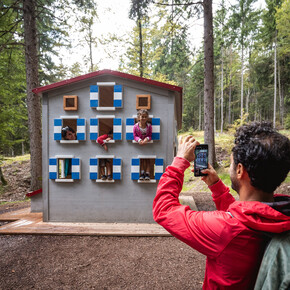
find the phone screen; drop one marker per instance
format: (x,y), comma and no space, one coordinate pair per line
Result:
(201,159)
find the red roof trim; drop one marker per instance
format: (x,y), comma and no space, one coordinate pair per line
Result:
(32,193)
(106,72)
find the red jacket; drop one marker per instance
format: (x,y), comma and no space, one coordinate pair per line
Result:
(230,237)
(102,139)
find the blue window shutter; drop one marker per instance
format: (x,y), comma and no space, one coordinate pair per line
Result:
(52,168)
(118,96)
(155,128)
(94,96)
(57,129)
(117,129)
(93,168)
(117,168)
(135,168)
(158,168)
(94,128)
(76,168)
(130,122)
(81,129)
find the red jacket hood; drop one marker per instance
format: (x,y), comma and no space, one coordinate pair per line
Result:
(260,216)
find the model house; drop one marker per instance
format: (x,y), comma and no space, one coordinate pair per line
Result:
(90,106)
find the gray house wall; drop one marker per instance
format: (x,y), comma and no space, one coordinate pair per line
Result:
(85,200)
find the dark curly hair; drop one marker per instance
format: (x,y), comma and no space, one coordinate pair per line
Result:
(264,153)
(65,129)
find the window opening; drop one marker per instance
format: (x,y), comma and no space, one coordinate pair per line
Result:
(70,103)
(105,126)
(147,164)
(105,172)
(151,164)
(143,102)
(150,122)
(106,96)
(71,123)
(155,122)
(64,168)
(69,129)
(105,168)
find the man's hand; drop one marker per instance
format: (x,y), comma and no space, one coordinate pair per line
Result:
(211,178)
(186,148)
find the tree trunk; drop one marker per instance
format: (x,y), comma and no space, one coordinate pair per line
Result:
(33,101)
(275,79)
(22,148)
(140,47)
(222,92)
(209,81)
(2,179)
(214,111)
(242,83)
(230,88)
(199,117)
(91,47)
(280,96)
(247,103)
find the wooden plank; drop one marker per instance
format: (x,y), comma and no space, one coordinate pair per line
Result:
(31,223)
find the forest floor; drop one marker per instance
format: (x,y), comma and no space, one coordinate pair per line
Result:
(96,262)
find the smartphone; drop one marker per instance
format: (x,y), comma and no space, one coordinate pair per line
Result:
(201,159)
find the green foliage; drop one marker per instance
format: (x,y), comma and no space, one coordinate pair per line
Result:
(283,27)
(238,123)
(287,122)
(13,111)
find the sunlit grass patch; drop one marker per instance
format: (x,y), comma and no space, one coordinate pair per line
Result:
(285,133)
(12,202)
(20,159)
(287,178)
(225,141)
(198,135)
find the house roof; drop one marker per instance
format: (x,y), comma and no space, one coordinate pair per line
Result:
(176,89)
(106,72)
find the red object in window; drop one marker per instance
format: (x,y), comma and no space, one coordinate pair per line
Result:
(32,193)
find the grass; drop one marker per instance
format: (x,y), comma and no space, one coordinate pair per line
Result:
(19,159)
(198,135)
(287,180)
(11,202)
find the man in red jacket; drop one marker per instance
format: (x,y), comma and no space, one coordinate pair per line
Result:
(234,237)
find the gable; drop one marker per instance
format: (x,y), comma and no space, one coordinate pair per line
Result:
(176,90)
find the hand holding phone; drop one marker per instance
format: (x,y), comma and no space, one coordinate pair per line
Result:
(201,159)
(211,176)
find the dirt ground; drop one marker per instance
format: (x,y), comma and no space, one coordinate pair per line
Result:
(94,262)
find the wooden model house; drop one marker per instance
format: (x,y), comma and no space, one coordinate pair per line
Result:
(93,105)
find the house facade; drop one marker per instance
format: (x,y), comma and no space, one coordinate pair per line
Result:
(92,105)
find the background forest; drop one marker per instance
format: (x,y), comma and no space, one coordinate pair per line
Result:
(251,57)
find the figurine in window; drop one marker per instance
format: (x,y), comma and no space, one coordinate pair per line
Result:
(143,134)
(68,133)
(106,164)
(102,140)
